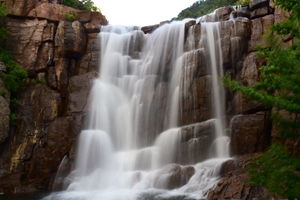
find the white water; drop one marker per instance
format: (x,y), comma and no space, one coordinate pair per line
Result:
(211,42)
(119,156)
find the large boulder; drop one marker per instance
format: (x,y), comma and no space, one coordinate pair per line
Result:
(195,88)
(260,8)
(259,28)
(250,133)
(63,71)
(78,90)
(196,98)
(20,8)
(243,105)
(70,40)
(233,182)
(195,142)
(172,176)
(223,13)
(90,61)
(250,71)
(193,35)
(28,34)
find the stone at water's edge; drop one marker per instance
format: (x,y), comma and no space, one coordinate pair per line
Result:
(233,183)
(175,176)
(67,52)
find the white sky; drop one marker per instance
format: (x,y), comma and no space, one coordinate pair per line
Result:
(141,12)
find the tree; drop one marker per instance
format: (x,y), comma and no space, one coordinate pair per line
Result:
(279,89)
(82,5)
(203,7)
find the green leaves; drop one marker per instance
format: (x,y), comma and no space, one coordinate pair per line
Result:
(203,7)
(276,170)
(279,89)
(82,5)
(13,79)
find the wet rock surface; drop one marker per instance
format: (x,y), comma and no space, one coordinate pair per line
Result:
(250,133)
(233,183)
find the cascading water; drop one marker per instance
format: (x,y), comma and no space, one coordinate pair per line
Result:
(211,42)
(133,137)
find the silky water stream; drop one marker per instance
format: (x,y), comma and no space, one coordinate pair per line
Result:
(130,147)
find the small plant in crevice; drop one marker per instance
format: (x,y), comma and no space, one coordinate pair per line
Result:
(44,82)
(14,102)
(13,119)
(3,93)
(71,16)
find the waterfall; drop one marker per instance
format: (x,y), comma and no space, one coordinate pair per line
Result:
(212,43)
(133,142)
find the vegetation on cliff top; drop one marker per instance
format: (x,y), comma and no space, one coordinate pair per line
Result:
(278,169)
(203,7)
(82,5)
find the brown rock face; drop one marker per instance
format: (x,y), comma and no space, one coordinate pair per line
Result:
(223,13)
(52,12)
(242,105)
(233,184)
(173,176)
(20,8)
(90,60)
(195,88)
(50,115)
(250,71)
(4,119)
(195,142)
(70,40)
(196,99)
(149,29)
(79,87)
(259,28)
(250,133)
(28,35)
(38,106)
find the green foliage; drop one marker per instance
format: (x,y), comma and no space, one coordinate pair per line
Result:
(3,93)
(43,82)
(203,7)
(13,79)
(3,30)
(14,102)
(13,119)
(82,5)
(242,2)
(71,16)
(276,170)
(278,89)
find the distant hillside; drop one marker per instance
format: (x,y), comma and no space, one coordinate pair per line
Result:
(203,7)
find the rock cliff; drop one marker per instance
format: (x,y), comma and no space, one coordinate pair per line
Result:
(61,58)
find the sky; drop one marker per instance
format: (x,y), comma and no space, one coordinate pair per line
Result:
(141,12)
